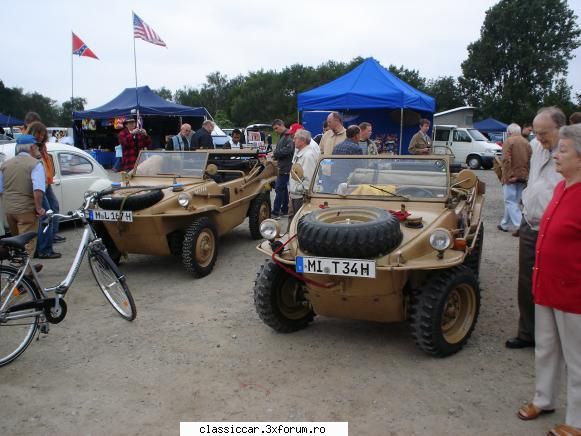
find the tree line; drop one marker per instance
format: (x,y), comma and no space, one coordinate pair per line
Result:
(518,64)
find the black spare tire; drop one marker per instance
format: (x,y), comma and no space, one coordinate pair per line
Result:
(130,200)
(349,232)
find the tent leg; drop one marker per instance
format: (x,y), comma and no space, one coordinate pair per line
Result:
(400,130)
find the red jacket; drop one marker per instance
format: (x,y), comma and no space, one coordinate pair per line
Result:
(557,271)
(130,148)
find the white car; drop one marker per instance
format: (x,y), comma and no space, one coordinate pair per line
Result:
(76,172)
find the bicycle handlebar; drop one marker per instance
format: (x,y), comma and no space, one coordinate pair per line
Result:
(50,215)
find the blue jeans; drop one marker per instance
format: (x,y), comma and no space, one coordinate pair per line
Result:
(44,240)
(281,197)
(512,213)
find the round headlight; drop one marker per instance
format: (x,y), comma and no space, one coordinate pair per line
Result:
(440,239)
(269,229)
(184,199)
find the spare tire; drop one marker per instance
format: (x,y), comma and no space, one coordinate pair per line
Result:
(349,232)
(133,201)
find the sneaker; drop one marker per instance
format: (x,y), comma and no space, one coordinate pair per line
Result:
(275,215)
(52,255)
(58,238)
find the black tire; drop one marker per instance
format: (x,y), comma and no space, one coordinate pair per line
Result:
(279,299)
(474,162)
(16,335)
(258,211)
(371,232)
(139,201)
(474,259)
(113,284)
(444,311)
(200,247)
(487,165)
(112,250)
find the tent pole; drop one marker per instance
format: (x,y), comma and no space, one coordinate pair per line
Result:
(400,129)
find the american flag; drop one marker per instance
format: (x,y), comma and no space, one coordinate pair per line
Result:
(143,31)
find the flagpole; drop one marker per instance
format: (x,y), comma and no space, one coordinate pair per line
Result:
(72,71)
(135,64)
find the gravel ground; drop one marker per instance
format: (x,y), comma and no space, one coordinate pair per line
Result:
(198,352)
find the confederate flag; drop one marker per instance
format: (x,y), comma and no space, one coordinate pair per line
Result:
(81,49)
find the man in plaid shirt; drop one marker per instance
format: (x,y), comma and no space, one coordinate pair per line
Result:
(132,140)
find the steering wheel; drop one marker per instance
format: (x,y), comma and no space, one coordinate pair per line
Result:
(414,191)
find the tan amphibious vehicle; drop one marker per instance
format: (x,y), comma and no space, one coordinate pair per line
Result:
(181,202)
(385,239)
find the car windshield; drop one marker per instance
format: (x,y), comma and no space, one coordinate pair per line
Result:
(476,135)
(171,163)
(387,178)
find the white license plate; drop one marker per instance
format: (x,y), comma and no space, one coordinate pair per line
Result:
(335,267)
(111,215)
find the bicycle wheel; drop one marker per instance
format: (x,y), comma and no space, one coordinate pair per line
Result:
(112,283)
(16,334)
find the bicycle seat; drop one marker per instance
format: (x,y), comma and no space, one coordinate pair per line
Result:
(19,241)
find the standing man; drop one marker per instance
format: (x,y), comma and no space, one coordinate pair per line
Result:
(367,145)
(283,153)
(30,118)
(183,140)
(527,129)
(202,139)
(421,142)
(132,141)
(236,143)
(516,156)
(307,158)
(22,185)
(543,178)
(334,135)
(351,145)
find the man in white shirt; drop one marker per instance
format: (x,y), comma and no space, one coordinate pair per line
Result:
(535,198)
(307,158)
(235,144)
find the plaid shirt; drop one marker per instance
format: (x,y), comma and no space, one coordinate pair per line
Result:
(347,147)
(130,148)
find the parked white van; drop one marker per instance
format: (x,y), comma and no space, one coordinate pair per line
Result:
(468,145)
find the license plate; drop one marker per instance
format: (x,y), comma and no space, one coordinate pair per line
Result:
(335,267)
(111,215)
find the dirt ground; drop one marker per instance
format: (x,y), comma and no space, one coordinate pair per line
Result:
(198,352)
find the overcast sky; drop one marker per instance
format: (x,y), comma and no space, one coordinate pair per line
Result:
(233,37)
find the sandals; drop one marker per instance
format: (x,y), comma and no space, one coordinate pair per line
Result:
(530,411)
(564,430)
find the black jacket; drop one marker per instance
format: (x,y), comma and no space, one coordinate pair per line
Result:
(283,153)
(202,139)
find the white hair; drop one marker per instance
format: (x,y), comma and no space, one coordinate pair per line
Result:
(574,134)
(303,134)
(513,129)
(23,148)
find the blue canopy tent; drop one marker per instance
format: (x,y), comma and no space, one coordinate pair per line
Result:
(146,101)
(161,118)
(490,125)
(8,121)
(372,93)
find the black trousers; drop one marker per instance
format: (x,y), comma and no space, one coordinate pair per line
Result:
(526,262)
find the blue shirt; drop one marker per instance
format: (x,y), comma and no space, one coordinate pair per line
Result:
(37,175)
(348,147)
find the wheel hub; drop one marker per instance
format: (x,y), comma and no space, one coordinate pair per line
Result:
(458,313)
(205,246)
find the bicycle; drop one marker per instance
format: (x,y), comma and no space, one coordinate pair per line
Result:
(26,306)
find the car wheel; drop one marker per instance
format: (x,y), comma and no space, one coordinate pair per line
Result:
(280,300)
(445,310)
(349,232)
(200,247)
(474,162)
(258,211)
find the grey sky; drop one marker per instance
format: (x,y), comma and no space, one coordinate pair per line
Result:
(233,37)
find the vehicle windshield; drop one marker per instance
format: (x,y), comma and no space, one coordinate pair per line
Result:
(387,178)
(476,135)
(171,163)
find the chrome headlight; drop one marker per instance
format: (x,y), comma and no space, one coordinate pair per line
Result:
(441,239)
(270,229)
(184,199)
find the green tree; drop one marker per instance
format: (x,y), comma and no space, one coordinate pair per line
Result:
(447,92)
(66,111)
(411,77)
(164,93)
(522,53)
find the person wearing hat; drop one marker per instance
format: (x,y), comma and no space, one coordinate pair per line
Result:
(132,141)
(22,185)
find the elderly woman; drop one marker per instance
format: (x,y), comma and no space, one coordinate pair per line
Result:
(557,291)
